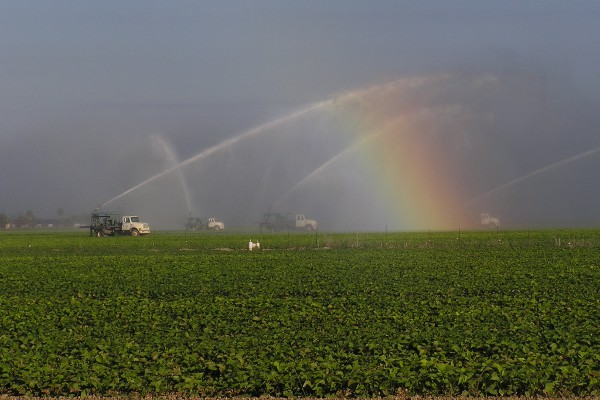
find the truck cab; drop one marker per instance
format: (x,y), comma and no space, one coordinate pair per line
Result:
(488,220)
(132,224)
(214,224)
(303,223)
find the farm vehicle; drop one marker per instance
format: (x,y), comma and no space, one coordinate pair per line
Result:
(111,224)
(275,222)
(488,220)
(198,224)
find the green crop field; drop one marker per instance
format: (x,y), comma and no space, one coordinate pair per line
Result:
(361,314)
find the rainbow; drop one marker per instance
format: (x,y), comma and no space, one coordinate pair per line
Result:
(403,148)
(406,141)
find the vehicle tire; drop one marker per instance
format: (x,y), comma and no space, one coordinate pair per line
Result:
(135,232)
(309,228)
(217,228)
(99,233)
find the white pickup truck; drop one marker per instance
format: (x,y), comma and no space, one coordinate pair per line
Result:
(214,224)
(198,224)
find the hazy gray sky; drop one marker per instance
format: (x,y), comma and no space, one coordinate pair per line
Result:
(86,85)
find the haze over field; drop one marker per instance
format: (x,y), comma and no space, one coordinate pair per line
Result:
(362,115)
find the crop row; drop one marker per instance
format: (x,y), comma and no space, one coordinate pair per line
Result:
(152,316)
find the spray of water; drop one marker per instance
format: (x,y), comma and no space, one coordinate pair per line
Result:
(462,112)
(339,156)
(537,172)
(332,103)
(173,160)
(224,145)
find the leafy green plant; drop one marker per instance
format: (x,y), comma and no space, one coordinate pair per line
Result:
(501,314)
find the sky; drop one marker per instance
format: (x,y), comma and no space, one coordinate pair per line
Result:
(433,112)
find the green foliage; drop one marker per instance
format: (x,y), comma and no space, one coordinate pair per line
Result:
(369,314)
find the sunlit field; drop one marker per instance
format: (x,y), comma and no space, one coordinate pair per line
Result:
(481,313)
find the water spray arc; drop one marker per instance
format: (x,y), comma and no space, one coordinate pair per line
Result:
(331,103)
(173,160)
(223,145)
(395,153)
(537,172)
(342,154)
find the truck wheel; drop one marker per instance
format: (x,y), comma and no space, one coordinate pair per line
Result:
(99,233)
(135,232)
(309,228)
(217,228)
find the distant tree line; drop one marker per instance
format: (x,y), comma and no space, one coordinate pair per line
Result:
(29,220)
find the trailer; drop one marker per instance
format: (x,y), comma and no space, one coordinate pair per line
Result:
(111,224)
